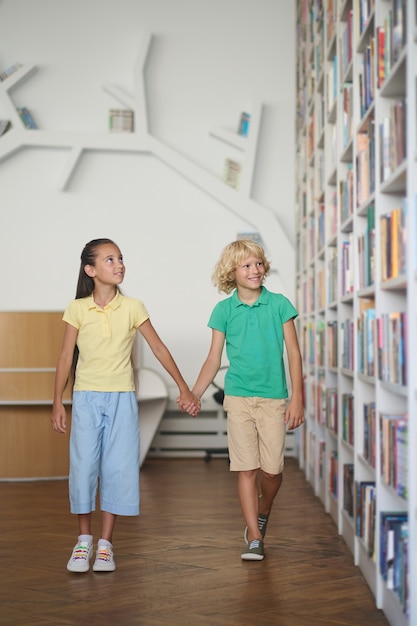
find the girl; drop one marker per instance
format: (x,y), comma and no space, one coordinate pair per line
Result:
(101,324)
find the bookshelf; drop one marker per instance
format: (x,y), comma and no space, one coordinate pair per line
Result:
(356,280)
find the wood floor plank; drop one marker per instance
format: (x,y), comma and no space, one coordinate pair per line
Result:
(179,562)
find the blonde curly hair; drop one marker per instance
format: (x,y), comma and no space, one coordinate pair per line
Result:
(232,256)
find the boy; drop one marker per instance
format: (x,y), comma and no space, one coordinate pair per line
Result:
(255,324)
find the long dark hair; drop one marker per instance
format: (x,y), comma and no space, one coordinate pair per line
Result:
(85,284)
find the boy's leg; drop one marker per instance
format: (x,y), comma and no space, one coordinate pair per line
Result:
(269,487)
(248,496)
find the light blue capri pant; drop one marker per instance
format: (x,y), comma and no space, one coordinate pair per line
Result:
(104,444)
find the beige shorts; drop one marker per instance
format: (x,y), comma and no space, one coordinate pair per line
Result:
(256,433)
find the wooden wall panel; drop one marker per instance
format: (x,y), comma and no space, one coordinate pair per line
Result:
(30,339)
(29,447)
(27,386)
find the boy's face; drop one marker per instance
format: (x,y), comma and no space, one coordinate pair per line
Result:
(250,274)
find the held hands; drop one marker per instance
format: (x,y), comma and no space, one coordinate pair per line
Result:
(190,403)
(294,416)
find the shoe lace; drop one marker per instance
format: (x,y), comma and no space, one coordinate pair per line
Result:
(255,543)
(80,551)
(104,554)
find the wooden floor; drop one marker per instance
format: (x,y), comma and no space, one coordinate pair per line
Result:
(179,562)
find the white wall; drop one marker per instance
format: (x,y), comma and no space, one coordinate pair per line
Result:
(208,61)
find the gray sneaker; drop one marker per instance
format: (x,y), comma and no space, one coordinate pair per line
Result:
(254,551)
(262,524)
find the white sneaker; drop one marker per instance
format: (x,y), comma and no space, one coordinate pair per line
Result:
(104,560)
(80,557)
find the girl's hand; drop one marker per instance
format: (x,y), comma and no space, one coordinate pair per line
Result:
(59,419)
(190,403)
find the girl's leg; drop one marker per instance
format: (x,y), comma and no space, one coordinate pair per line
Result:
(84,523)
(108,521)
(269,487)
(248,496)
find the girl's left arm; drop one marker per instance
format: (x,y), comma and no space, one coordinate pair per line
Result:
(187,399)
(295,411)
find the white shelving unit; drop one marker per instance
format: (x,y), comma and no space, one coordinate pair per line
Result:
(237,201)
(349,178)
(248,145)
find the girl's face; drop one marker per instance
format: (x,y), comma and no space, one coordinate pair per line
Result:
(250,274)
(109,268)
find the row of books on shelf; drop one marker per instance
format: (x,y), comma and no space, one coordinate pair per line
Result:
(393,433)
(381,344)
(393,256)
(359,502)
(393,251)
(386,46)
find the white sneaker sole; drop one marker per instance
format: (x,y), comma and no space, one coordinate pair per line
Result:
(103,568)
(247,556)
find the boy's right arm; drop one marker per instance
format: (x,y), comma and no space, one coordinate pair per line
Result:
(211,365)
(58,418)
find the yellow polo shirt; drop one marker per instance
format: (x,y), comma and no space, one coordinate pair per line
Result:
(105,339)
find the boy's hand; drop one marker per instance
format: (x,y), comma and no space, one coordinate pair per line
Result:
(189,403)
(294,415)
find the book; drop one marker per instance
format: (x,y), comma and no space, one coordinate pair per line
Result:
(26,117)
(391,537)
(243,128)
(10,70)
(232,171)
(5,125)
(121,121)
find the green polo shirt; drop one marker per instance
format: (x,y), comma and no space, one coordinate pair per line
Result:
(254,343)
(105,340)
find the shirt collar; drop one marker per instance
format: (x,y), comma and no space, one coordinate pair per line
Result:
(114,304)
(263,298)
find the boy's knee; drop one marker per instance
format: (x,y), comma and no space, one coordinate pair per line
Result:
(269,476)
